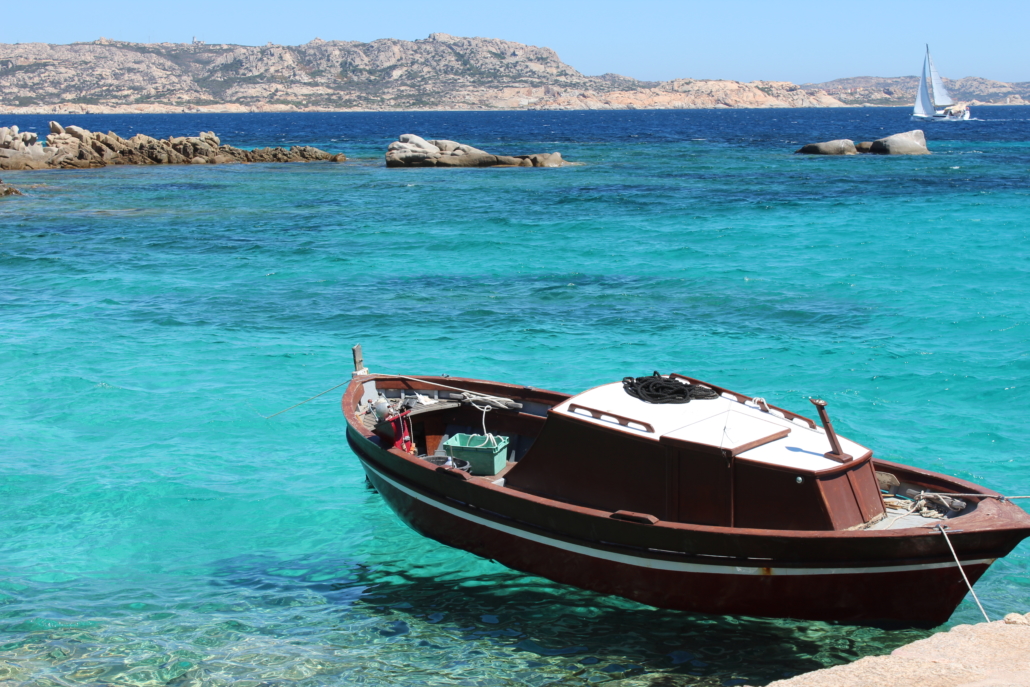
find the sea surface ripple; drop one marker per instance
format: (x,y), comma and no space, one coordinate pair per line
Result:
(156,529)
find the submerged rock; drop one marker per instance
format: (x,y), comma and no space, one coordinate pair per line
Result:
(841,146)
(8,190)
(76,148)
(413,151)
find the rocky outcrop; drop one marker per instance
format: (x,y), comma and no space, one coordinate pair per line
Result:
(77,148)
(20,150)
(841,146)
(908,143)
(995,653)
(439,72)
(8,190)
(412,151)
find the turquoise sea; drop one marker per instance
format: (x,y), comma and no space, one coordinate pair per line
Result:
(156,529)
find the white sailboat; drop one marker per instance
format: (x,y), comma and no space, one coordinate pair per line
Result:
(925,109)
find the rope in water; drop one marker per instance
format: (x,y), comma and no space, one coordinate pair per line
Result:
(942,529)
(659,389)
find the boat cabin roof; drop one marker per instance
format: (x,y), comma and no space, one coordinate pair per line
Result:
(727,422)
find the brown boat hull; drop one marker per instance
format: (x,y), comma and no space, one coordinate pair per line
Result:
(907,577)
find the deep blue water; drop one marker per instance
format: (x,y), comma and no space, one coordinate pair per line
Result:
(156,529)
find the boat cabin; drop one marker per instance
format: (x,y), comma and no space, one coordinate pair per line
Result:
(725,461)
(730,461)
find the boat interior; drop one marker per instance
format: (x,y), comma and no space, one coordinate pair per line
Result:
(728,460)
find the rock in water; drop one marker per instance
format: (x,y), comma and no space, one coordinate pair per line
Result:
(908,143)
(77,148)
(410,150)
(841,146)
(8,190)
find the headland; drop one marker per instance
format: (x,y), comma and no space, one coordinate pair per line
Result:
(441,72)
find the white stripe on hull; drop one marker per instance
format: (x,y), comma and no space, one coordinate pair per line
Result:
(658,564)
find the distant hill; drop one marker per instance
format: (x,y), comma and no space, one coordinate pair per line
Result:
(901,90)
(439,72)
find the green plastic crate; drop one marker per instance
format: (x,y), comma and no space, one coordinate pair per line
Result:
(484,457)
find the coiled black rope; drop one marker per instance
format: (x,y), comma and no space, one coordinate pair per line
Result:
(659,389)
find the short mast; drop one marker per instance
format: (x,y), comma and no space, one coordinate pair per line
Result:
(836,453)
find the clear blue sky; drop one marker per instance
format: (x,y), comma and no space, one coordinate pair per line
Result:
(790,40)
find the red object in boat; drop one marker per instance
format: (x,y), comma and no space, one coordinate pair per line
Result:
(394,432)
(723,506)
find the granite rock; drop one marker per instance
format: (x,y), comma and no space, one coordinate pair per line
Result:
(76,148)
(907,143)
(996,653)
(412,151)
(841,146)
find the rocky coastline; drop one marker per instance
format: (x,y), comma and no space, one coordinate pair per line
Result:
(441,72)
(77,148)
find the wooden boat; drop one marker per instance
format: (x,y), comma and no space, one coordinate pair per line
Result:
(726,505)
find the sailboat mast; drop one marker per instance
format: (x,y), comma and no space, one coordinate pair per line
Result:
(929,79)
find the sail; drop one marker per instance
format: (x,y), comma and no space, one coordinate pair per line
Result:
(923,106)
(940,93)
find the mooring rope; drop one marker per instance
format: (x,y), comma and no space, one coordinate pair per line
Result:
(470,395)
(444,386)
(942,529)
(269,417)
(915,506)
(983,496)
(659,389)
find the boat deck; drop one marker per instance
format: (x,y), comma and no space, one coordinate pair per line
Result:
(724,422)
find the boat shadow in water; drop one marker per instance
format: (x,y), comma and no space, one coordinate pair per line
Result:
(539,623)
